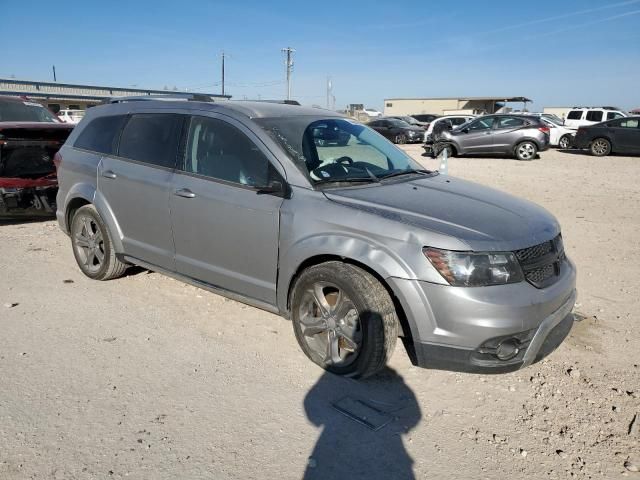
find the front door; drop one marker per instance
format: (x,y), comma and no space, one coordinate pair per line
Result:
(135,184)
(477,137)
(225,232)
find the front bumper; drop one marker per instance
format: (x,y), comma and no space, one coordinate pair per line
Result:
(459,328)
(545,339)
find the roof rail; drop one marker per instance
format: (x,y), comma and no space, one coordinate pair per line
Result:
(285,102)
(169,97)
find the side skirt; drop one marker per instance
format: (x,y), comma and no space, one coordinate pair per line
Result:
(206,286)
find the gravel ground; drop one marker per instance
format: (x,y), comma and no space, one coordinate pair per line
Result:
(147,378)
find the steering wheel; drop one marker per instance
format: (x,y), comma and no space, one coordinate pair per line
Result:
(347,160)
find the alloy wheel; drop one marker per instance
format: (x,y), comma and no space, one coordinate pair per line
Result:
(330,324)
(89,243)
(600,147)
(564,142)
(526,151)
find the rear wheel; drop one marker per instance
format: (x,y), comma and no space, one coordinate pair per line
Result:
(92,246)
(526,151)
(344,319)
(600,147)
(400,139)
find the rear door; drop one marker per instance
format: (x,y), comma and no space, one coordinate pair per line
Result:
(508,130)
(135,184)
(226,233)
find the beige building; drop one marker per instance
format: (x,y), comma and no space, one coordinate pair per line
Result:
(58,96)
(560,112)
(450,106)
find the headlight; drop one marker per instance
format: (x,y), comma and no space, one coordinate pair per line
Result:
(470,269)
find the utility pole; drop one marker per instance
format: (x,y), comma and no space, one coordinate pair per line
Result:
(328,92)
(223,72)
(289,64)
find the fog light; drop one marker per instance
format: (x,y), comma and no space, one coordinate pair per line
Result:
(507,349)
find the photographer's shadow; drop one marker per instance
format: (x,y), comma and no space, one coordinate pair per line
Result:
(347,449)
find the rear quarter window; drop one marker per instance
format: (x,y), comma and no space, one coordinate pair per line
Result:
(101,134)
(574,115)
(152,138)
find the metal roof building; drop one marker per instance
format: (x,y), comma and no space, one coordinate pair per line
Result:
(66,95)
(449,105)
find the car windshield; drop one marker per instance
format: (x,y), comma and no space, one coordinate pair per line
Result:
(398,123)
(25,112)
(410,120)
(337,150)
(553,119)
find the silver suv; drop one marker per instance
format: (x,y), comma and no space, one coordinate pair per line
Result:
(517,135)
(353,241)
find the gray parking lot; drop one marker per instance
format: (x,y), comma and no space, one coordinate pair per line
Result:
(145,377)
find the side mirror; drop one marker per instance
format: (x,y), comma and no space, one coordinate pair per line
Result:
(276,188)
(465,130)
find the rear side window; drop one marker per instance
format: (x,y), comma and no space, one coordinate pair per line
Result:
(612,115)
(594,115)
(101,135)
(574,115)
(510,122)
(626,123)
(152,138)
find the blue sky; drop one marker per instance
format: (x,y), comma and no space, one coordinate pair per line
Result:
(560,52)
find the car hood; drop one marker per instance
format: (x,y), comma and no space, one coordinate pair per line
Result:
(480,218)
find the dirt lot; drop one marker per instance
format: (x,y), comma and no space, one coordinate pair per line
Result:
(147,378)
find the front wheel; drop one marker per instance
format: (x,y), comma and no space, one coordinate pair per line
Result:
(344,319)
(92,246)
(564,142)
(600,147)
(526,151)
(400,139)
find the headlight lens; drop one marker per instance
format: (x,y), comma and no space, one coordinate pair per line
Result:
(470,269)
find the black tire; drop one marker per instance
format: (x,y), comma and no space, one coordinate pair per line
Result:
(375,314)
(600,147)
(526,151)
(92,246)
(564,142)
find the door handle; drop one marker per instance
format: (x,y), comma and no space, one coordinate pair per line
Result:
(185,193)
(108,174)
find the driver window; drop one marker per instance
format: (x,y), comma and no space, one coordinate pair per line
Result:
(219,150)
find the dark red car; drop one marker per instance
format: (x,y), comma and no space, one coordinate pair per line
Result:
(30,136)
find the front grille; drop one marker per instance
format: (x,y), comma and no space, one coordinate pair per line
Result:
(541,263)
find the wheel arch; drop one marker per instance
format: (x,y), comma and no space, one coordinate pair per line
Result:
(404,326)
(520,141)
(82,195)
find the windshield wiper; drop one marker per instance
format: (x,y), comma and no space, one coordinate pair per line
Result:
(409,171)
(347,180)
